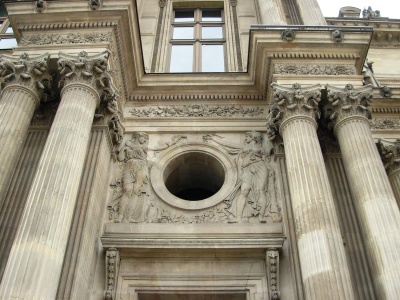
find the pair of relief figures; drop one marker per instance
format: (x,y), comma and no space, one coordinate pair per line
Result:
(254,194)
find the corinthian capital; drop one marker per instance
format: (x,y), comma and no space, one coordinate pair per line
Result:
(85,69)
(390,154)
(348,101)
(29,72)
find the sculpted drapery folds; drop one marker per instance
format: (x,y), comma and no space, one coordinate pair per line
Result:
(254,193)
(131,184)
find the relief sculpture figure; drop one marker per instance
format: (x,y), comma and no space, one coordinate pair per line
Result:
(131,184)
(254,192)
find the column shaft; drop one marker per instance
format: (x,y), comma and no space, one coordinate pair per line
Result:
(34,266)
(17,106)
(271,12)
(394,179)
(310,12)
(375,203)
(322,257)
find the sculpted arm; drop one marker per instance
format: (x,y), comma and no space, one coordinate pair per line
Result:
(233,149)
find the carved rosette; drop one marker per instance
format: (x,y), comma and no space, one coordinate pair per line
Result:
(348,101)
(290,102)
(31,73)
(88,70)
(390,154)
(272,263)
(112,269)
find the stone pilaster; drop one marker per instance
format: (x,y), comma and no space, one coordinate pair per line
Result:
(373,197)
(390,154)
(35,262)
(323,262)
(26,82)
(310,12)
(271,12)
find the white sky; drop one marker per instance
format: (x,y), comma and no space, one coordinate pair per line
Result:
(388,8)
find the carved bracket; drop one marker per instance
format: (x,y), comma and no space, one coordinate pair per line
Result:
(272,264)
(112,270)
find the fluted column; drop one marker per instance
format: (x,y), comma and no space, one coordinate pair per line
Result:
(390,154)
(34,266)
(373,197)
(271,12)
(26,81)
(324,268)
(311,12)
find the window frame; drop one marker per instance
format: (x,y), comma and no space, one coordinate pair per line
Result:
(198,41)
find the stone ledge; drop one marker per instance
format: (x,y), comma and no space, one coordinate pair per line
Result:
(224,236)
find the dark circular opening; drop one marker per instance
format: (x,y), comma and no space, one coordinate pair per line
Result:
(194,176)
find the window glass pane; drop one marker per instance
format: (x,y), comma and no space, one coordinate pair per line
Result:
(211,32)
(184,16)
(8,43)
(183,33)
(211,15)
(9,30)
(181,58)
(212,58)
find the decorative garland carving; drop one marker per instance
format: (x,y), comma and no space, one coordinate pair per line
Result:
(112,270)
(197,110)
(348,101)
(31,73)
(314,69)
(272,263)
(390,154)
(385,123)
(70,38)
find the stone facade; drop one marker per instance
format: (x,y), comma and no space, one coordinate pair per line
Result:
(275,179)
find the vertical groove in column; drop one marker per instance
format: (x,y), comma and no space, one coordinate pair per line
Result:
(375,204)
(394,179)
(294,257)
(359,270)
(310,12)
(271,12)
(17,106)
(40,243)
(323,262)
(11,211)
(78,270)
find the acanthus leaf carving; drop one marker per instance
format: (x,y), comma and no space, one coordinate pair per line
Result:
(112,270)
(385,123)
(348,101)
(294,101)
(29,72)
(90,70)
(197,110)
(390,154)
(272,264)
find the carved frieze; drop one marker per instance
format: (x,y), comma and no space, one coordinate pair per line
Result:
(197,110)
(29,72)
(70,38)
(348,101)
(314,69)
(288,102)
(385,123)
(390,154)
